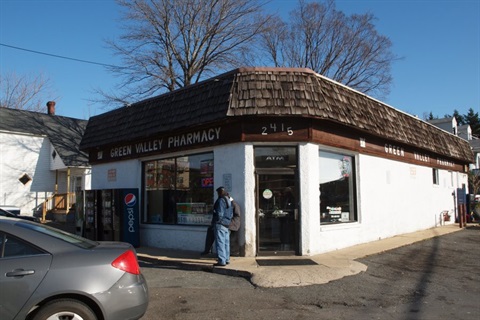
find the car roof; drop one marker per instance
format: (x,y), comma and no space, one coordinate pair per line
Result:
(43,236)
(4,219)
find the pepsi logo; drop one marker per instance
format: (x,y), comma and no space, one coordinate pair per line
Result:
(130,200)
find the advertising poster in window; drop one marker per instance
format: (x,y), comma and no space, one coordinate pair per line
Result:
(193,213)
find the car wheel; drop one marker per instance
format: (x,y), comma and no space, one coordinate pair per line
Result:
(65,309)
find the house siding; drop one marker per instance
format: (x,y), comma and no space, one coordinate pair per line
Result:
(25,154)
(56,162)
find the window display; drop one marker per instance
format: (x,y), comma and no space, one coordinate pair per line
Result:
(179,190)
(337,188)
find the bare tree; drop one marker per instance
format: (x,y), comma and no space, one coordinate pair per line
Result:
(347,49)
(24,92)
(170,44)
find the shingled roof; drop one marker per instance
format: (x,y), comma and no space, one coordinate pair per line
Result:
(64,133)
(289,92)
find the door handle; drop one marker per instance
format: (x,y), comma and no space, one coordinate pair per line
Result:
(295,212)
(19,273)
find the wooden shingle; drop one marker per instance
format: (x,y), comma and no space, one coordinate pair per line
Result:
(269,92)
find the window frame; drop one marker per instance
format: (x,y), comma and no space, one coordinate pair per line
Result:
(353,203)
(435,176)
(6,237)
(176,218)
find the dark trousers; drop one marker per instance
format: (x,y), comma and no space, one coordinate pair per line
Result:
(209,239)
(234,244)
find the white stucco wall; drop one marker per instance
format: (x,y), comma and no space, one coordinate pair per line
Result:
(128,174)
(394,198)
(248,230)
(309,198)
(235,162)
(20,154)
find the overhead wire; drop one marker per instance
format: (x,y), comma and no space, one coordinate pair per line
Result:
(59,56)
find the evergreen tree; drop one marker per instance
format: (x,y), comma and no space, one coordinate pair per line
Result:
(472,119)
(458,117)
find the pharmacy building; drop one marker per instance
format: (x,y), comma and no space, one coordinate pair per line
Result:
(315,166)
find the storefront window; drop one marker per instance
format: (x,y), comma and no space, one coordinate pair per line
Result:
(337,188)
(179,190)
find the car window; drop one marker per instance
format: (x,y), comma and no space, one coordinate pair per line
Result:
(59,234)
(11,246)
(6,213)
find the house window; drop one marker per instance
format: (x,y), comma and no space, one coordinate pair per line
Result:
(179,190)
(25,178)
(436,180)
(337,188)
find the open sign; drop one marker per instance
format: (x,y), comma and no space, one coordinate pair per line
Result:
(207,182)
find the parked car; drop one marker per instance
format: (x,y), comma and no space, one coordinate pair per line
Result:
(47,273)
(12,209)
(9,214)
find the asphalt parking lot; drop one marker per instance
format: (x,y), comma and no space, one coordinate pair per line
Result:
(433,279)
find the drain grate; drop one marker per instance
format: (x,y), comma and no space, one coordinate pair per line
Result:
(285,262)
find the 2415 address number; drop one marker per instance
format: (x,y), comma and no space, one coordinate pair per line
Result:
(274,127)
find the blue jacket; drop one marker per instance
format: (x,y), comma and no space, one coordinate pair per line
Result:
(222,211)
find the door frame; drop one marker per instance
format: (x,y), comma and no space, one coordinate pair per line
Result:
(277,171)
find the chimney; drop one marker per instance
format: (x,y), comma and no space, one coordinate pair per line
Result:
(51,108)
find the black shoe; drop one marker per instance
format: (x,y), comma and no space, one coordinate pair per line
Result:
(219,264)
(204,253)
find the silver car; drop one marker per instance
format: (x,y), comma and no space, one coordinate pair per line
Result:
(46,273)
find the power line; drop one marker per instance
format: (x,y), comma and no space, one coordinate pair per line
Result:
(58,56)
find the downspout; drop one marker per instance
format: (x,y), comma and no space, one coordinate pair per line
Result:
(68,189)
(455,206)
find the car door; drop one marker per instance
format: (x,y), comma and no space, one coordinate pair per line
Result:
(22,269)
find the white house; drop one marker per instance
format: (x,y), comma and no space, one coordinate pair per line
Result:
(315,165)
(41,165)
(464,132)
(448,124)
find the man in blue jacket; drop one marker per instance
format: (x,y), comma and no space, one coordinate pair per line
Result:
(222,215)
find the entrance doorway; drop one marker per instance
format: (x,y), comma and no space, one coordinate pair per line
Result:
(277,213)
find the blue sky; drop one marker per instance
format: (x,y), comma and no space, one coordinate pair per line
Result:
(439,41)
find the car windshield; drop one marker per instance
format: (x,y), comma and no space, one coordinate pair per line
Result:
(59,234)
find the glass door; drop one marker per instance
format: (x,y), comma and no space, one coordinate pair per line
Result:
(277,213)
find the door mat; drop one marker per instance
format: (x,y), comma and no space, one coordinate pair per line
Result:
(285,262)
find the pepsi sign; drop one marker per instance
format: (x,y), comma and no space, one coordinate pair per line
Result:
(131,216)
(130,200)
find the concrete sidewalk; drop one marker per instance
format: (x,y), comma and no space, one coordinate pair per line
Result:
(292,270)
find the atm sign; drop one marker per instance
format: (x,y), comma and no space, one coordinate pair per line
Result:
(207,182)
